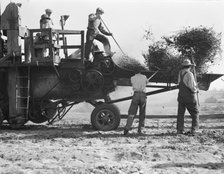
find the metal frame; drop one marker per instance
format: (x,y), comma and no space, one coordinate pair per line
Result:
(50,45)
(164,89)
(61,113)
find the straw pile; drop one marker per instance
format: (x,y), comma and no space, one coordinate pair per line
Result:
(129,63)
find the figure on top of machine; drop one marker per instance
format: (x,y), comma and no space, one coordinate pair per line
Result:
(46,22)
(93,32)
(48,12)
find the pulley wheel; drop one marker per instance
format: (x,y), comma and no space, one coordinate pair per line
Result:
(36,115)
(93,81)
(107,66)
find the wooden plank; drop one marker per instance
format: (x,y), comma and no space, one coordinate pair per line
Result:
(82,46)
(23,32)
(12,92)
(31,47)
(27,45)
(71,46)
(46,45)
(13,42)
(68,31)
(43,45)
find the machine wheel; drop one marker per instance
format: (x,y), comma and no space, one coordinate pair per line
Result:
(75,78)
(93,81)
(36,114)
(107,66)
(18,122)
(49,108)
(105,117)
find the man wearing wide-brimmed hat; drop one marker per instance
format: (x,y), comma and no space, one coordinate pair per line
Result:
(187,98)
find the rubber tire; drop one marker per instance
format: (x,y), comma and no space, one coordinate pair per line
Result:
(50,108)
(35,114)
(113,112)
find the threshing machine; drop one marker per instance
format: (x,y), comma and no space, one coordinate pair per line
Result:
(38,84)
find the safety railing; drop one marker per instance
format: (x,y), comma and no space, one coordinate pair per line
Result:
(45,45)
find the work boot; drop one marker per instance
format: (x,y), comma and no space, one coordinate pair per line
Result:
(126,132)
(129,123)
(143,123)
(139,131)
(180,132)
(194,132)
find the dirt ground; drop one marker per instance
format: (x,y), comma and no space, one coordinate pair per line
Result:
(72,146)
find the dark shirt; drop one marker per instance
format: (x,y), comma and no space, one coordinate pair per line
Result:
(185,94)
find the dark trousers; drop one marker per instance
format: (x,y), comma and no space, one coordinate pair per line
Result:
(90,36)
(138,101)
(193,110)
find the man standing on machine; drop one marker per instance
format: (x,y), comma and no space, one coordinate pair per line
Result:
(93,32)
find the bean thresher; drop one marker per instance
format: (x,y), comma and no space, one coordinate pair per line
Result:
(38,84)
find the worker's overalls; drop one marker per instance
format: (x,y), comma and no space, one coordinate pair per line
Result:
(186,100)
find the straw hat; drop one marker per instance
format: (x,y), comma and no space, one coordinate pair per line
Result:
(187,62)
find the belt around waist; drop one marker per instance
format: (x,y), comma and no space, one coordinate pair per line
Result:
(139,92)
(89,28)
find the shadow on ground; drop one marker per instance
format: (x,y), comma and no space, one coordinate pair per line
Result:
(69,131)
(87,131)
(213,166)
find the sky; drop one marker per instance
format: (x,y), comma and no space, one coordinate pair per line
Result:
(128,19)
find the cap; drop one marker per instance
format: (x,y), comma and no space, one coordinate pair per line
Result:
(48,10)
(187,62)
(99,10)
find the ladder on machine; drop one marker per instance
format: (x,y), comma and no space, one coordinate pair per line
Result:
(23,90)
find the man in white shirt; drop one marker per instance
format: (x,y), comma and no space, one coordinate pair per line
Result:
(139,82)
(187,98)
(94,30)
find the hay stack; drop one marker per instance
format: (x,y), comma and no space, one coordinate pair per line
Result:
(129,63)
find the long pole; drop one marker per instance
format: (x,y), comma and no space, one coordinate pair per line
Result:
(153,75)
(63,37)
(112,36)
(195,75)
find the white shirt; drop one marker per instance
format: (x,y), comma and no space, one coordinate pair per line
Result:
(139,82)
